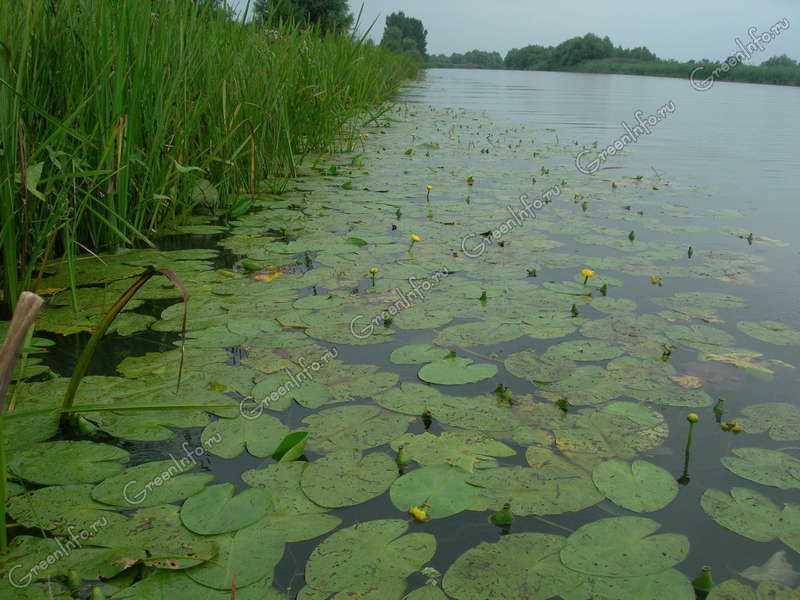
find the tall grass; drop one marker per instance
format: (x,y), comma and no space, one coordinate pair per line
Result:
(115,115)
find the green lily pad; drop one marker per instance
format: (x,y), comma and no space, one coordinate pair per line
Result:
(481,333)
(151,484)
(550,486)
(639,486)
(67,462)
(248,556)
(528,365)
(353,427)
(443,488)
(780,420)
(456,371)
(550,326)
(179,586)
(159,531)
(513,568)
(768,467)
(347,478)
(370,556)
(417,354)
(733,590)
(771,332)
(61,509)
(261,436)
(623,547)
(466,450)
(582,350)
(217,510)
(744,511)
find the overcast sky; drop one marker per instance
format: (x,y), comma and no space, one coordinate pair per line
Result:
(681,29)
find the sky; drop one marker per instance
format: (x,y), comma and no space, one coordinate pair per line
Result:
(681,29)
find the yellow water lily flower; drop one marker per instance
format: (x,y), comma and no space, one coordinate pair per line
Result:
(656,280)
(693,418)
(420,514)
(414,239)
(373,271)
(429,187)
(587,274)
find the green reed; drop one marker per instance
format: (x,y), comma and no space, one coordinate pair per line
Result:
(119,117)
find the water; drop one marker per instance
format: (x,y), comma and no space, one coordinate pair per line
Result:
(729,151)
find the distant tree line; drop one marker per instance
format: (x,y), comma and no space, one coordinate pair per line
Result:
(593,54)
(328,15)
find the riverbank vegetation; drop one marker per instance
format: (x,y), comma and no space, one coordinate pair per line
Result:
(593,54)
(120,118)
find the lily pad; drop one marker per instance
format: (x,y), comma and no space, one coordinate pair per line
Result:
(780,420)
(771,332)
(248,556)
(347,478)
(367,557)
(456,371)
(481,333)
(443,488)
(550,486)
(217,510)
(768,467)
(468,451)
(639,486)
(417,354)
(159,532)
(61,509)
(179,586)
(353,427)
(623,547)
(582,350)
(744,511)
(151,484)
(260,436)
(528,365)
(67,462)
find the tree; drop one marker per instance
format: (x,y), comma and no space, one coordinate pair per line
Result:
(329,15)
(779,61)
(400,28)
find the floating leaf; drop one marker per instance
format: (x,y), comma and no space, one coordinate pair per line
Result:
(780,420)
(550,486)
(528,365)
(582,350)
(61,509)
(456,371)
(368,557)
(347,478)
(67,462)
(776,570)
(151,484)
(417,354)
(179,586)
(260,436)
(468,451)
(623,547)
(771,332)
(744,511)
(639,486)
(248,556)
(768,467)
(217,510)
(443,488)
(353,427)
(159,532)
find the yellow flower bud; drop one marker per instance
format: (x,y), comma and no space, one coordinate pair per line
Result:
(693,418)
(429,187)
(373,271)
(415,238)
(420,514)
(588,273)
